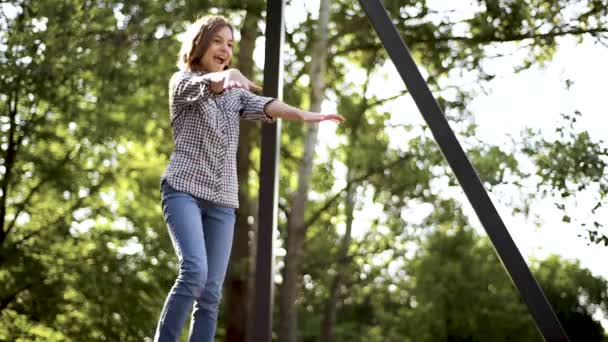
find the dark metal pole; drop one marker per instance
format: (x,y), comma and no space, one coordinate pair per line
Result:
(269,167)
(530,291)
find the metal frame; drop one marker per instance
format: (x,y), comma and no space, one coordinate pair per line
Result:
(538,305)
(269,168)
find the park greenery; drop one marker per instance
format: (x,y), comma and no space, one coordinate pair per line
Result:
(85,136)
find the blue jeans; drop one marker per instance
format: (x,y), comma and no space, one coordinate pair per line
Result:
(201,233)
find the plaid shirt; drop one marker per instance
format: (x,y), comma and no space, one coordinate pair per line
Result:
(205,135)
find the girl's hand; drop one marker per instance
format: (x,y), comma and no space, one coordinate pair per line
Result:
(281,110)
(232,78)
(317,117)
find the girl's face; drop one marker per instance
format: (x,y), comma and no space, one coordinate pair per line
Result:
(218,54)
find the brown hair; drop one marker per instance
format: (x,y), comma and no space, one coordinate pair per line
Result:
(196,41)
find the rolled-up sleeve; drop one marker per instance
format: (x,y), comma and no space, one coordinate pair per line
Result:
(186,88)
(253,107)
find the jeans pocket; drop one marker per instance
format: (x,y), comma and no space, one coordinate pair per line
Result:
(228,211)
(169,192)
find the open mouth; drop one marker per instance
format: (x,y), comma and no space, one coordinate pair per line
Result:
(219,59)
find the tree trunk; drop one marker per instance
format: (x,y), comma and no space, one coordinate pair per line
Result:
(328,321)
(9,157)
(237,282)
(296,229)
(329,312)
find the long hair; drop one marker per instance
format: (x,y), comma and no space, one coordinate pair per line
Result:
(197,39)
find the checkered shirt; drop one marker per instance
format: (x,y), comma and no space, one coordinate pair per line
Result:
(205,136)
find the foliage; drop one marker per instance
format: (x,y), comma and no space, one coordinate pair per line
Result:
(570,165)
(85,135)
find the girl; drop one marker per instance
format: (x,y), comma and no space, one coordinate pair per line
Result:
(199,187)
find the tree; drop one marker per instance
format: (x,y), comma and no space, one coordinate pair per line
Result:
(296,228)
(465,293)
(441,48)
(85,135)
(568,166)
(454,288)
(576,295)
(82,88)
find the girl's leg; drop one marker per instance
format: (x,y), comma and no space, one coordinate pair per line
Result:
(218,223)
(184,222)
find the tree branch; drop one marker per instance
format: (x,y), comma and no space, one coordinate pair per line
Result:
(8,299)
(353,48)
(299,57)
(480,39)
(21,206)
(77,204)
(387,99)
(514,37)
(315,216)
(9,159)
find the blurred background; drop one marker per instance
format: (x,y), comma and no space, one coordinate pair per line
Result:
(376,240)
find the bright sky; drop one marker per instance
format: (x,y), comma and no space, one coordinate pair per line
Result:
(535,98)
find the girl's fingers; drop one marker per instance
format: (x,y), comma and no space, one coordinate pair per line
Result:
(333,117)
(236,79)
(235,84)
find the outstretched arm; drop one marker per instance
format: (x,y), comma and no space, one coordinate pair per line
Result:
(233,78)
(278,109)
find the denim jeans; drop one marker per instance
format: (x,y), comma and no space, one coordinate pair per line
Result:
(201,233)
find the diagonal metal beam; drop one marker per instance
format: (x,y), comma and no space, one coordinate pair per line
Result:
(528,288)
